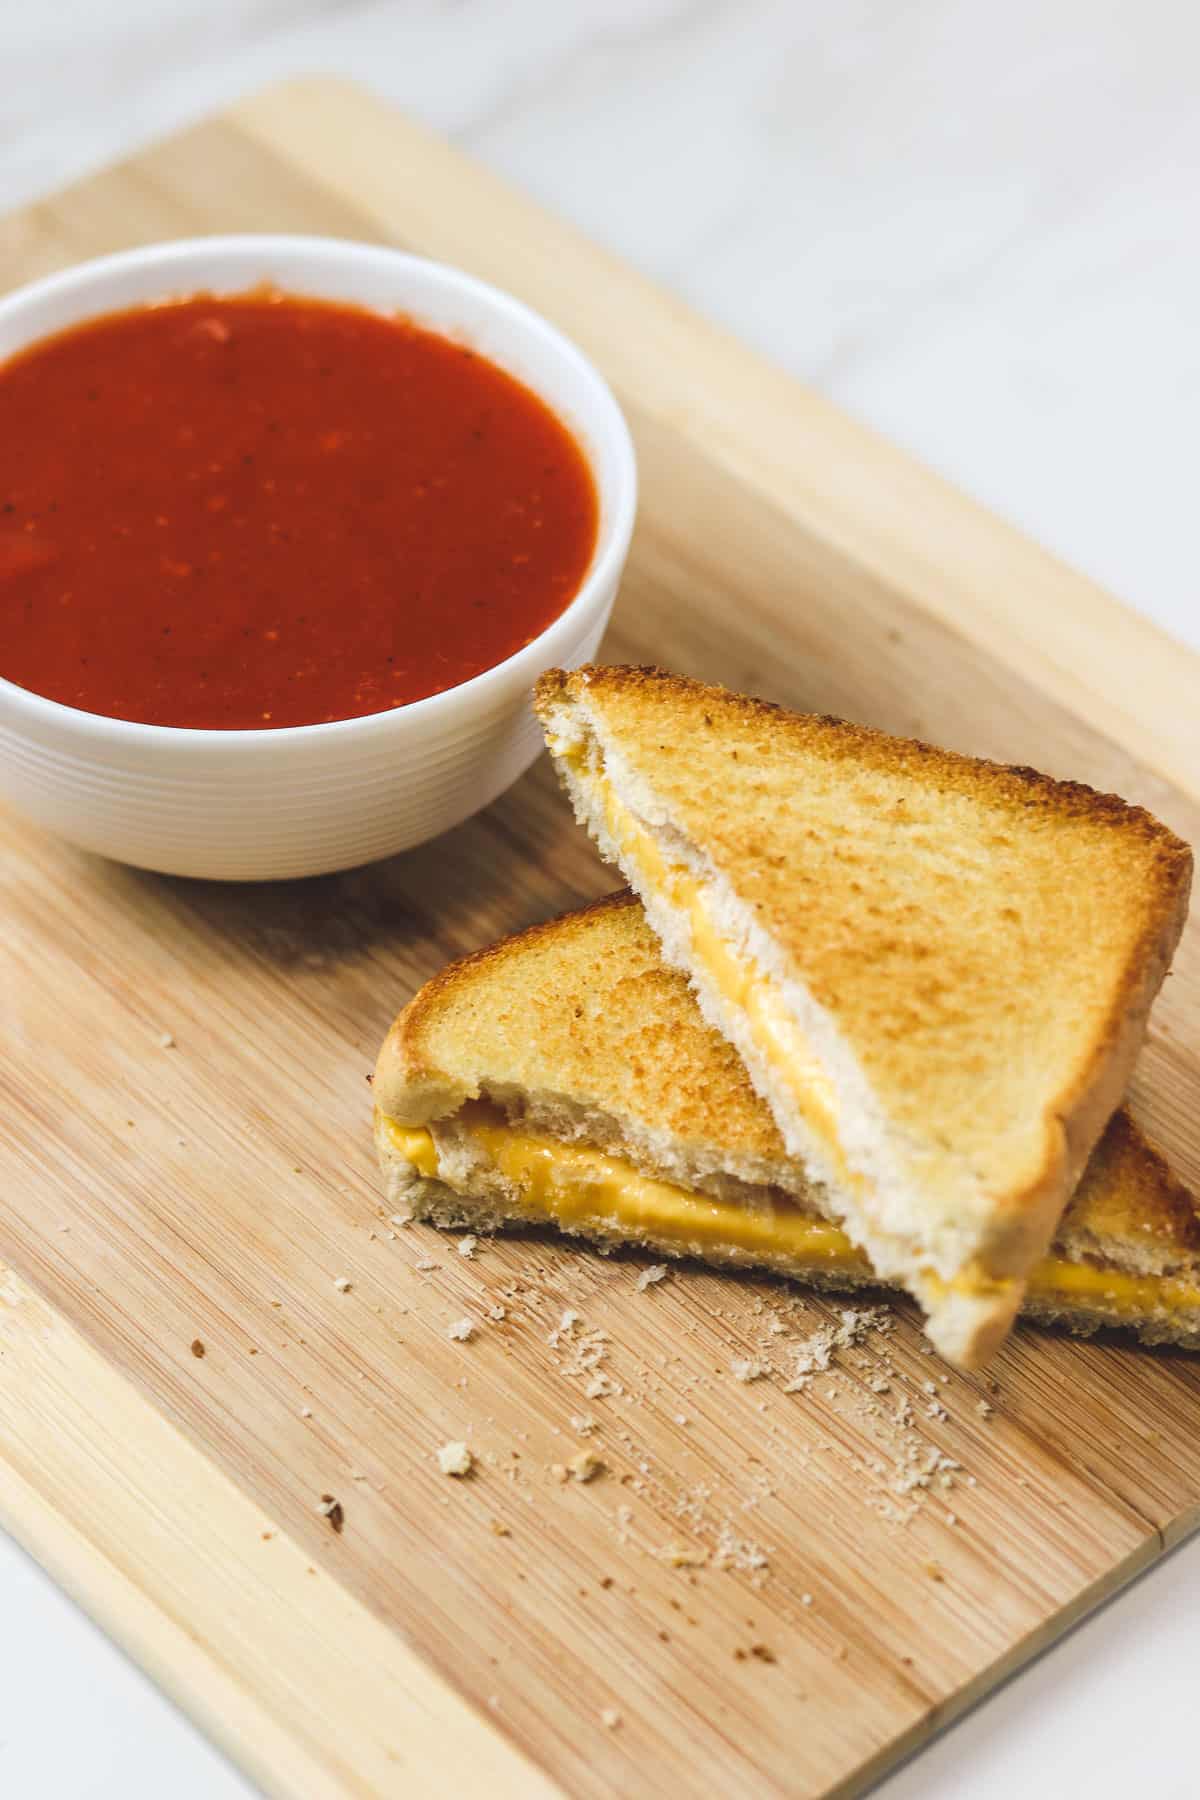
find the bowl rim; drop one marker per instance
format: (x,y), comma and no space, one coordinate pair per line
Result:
(618,497)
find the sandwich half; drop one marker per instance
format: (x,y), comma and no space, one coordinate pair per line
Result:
(936,970)
(567,1078)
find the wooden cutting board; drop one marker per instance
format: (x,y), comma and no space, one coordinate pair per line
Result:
(766,1592)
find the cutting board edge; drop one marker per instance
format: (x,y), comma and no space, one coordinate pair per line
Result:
(131,1558)
(982,1686)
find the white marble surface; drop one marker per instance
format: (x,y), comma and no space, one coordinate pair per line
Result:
(976,226)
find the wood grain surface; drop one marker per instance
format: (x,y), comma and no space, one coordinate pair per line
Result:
(765,1591)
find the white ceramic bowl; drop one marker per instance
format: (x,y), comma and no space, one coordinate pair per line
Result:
(307,799)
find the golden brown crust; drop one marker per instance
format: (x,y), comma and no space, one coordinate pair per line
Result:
(404,1059)
(581,1006)
(988,939)
(843,740)
(1130,1208)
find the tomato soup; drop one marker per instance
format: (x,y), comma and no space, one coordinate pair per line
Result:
(261,511)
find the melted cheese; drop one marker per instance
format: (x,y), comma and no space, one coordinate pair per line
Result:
(740,981)
(573,1184)
(576,1185)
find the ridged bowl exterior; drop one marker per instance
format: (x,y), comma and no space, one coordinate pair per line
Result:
(268,805)
(306,809)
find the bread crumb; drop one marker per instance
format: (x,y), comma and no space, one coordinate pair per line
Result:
(342,1283)
(934,1572)
(601,1387)
(461,1330)
(984,1408)
(455,1459)
(306,1412)
(585,1465)
(400,1219)
(814,1354)
(682,1419)
(197,1347)
(428,1262)
(588,1350)
(498,1528)
(166,1040)
(332,1510)
(744,1368)
(468,1245)
(610,1718)
(763,1652)
(738,1553)
(806,1599)
(647,1278)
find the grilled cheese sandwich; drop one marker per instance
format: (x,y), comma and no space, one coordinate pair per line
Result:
(581,1125)
(936,970)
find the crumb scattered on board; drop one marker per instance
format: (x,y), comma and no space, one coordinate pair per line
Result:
(333,1511)
(648,1277)
(455,1459)
(585,1465)
(745,1369)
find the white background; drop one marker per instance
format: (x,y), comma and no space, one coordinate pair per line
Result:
(975,225)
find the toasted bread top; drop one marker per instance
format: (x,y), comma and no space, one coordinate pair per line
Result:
(583,1008)
(982,935)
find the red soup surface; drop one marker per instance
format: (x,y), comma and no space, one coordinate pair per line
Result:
(264,511)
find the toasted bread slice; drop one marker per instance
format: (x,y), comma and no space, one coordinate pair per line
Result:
(936,970)
(566,1077)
